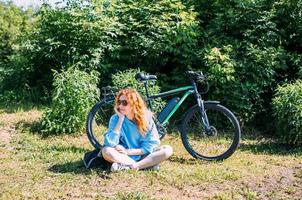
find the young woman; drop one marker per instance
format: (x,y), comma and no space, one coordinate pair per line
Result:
(132,141)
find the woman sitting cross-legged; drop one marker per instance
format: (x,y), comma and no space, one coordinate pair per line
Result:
(132,141)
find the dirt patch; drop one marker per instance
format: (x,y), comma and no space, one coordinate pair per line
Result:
(6,133)
(9,122)
(279,183)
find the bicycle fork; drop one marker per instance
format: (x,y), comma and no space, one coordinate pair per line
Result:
(203,113)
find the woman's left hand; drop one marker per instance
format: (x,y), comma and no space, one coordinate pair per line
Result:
(121,149)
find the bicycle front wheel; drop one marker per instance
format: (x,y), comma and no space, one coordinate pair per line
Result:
(217,144)
(97,121)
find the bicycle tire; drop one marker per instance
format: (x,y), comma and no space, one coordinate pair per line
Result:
(219,145)
(97,121)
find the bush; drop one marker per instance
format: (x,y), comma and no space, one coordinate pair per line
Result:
(221,71)
(100,35)
(243,77)
(156,34)
(126,79)
(74,94)
(287,106)
(15,23)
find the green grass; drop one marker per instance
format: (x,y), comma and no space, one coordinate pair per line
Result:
(36,167)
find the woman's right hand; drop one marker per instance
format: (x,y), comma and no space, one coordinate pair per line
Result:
(120,121)
(120,115)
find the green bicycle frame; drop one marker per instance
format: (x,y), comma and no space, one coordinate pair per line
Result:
(188,91)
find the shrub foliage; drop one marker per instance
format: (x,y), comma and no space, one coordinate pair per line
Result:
(74,94)
(288,112)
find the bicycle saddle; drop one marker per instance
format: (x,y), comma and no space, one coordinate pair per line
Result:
(145,77)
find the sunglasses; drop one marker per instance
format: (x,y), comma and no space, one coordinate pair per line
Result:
(123,102)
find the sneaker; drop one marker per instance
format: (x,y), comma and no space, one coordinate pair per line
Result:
(156,167)
(153,168)
(119,167)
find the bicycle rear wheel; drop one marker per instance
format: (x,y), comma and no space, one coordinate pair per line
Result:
(223,139)
(97,121)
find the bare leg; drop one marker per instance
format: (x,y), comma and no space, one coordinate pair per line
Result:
(158,156)
(112,155)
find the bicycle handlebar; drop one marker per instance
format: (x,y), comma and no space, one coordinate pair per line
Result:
(196,76)
(200,79)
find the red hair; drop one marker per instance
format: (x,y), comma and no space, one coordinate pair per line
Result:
(138,107)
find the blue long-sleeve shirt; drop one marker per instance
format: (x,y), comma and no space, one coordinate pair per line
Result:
(130,138)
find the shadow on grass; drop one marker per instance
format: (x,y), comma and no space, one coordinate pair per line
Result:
(36,127)
(78,167)
(269,146)
(181,160)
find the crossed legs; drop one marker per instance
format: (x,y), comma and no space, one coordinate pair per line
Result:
(159,155)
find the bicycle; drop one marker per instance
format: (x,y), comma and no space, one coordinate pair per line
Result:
(209,131)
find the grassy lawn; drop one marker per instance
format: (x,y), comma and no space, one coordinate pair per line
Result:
(35,167)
